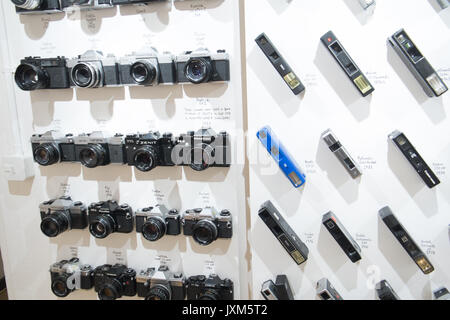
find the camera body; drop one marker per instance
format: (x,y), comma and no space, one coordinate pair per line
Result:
(52,147)
(99,149)
(160,284)
(203,149)
(70,5)
(147,69)
(36,6)
(147,151)
(68,276)
(207,225)
(114,281)
(155,222)
(202,66)
(106,217)
(209,288)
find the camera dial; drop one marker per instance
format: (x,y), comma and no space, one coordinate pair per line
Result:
(29,77)
(93,155)
(102,226)
(54,224)
(27,4)
(143,72)
(205,232)
(154,228)
(159,292)
(86,75)
(201,157)
(198,70)
(46,154)
(145,159)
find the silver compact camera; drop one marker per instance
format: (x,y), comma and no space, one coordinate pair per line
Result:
(160,284)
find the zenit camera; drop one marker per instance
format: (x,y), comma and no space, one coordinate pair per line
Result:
(160,284)
(112,282)
(36,6)
(60,215)
(147,151)
(209,288)
(203,149)
(202,66)
(68,276)
(52,147)
(207,225)
(107,217)
(155,222)
(99,149)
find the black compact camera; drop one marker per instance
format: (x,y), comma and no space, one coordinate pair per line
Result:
(60,215)
(52,147)
(209,288)
(112,282)
(160,284)
(203,149)
(155,222)
(107,217)
(36,6)
(147,151)
(68,276)
(207,225)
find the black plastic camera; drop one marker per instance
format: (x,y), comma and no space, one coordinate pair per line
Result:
(207,225)
(209,288)
(114,281)
(68,276)
(107,217)
(60,215)
(36,6)
(52,147)
(155,222)
(160,284)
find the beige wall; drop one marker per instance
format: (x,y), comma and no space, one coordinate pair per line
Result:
(2,274)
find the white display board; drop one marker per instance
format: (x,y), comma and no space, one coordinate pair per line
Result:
(173,27)
(362,125)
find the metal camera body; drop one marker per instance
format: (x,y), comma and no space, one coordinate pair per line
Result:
(155,222)
(160,284)
(280,290)
(207,225)
(150,150)
(62,214)
(106,217)
(203,149)
(92,69)
(36,6)
(147,69)
(71,5)
(52,147)
(202,66)
(114,281)
(69,275)
(209,288)
(99,149)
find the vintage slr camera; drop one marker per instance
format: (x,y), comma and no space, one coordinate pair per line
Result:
(111,282)
(147,151)
(68,276)
(147,69)
(93,70)
(202,66)
(52,147)
(203,149)
(85,4)
(107,217)
(60,215)
(207,225)
(209,288)
(36,73)
(99,149)
(160,284)
(36,6)
(155,222)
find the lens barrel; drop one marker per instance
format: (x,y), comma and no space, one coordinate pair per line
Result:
(29,77)
(59,287)
(55,224)
(102,226)
(145,159)
(159,292)
(198,70)
(86,75)
(27,4)
(46,154)
(93,155)
(154,228)
(205,232)
(143,72)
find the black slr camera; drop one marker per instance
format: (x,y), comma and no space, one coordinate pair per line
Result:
(111,282)
(209,288)
(155,222)
(60,215)
(202,66)
(203,149)
(106,217)
(52,147)
(36,73)
(147,151)
(160,284)
(68,276)
(36,6)
(207,225)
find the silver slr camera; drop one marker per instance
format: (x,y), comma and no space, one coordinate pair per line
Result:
(68,276)
(52,147)
(160,284)
(155,222)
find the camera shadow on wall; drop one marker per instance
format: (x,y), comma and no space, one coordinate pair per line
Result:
(155,15)
(35,26)
(101,100)
(43,104)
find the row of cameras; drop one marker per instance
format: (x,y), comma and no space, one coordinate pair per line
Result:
(93,70)
(112,282)
(205,225)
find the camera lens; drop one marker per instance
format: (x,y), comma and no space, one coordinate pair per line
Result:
(46,154)
(29,77)
(86,75)
(110,291)
(159,292)
(59,287)
(54,224)
(210,295)
(145,159)
(198,70)
(143,72)
(102,226)
(93,155)
(201,157)
(27,4)
(154,229)
(205,232)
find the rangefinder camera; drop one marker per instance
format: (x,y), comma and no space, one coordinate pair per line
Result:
(326,291)
(158,221)
(69,275)
(107,217)
(112,282)
(385,291)
(209,288)
(207,225)
(37,6)
(280,290)
(160,284)
(52,147)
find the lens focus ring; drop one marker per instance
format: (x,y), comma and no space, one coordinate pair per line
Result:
(27,4)
(143,72)
(93,155)
(55,224)
(86,75)
(205,232)
(103,226)
(145,159)
(29,77)
(154,228)
(198,70)
(46,154)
